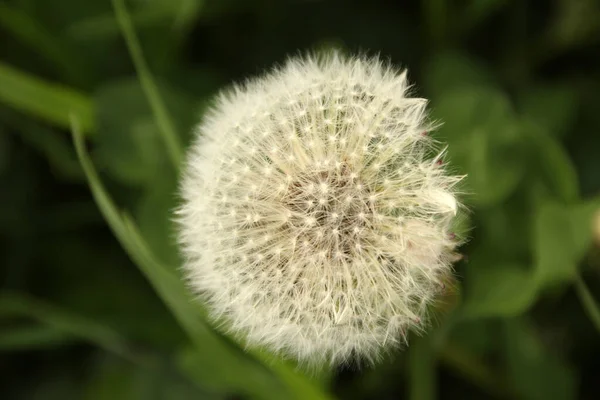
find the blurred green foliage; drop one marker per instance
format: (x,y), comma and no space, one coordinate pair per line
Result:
(82,315)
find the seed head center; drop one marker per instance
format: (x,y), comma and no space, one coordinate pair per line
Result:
(330,208)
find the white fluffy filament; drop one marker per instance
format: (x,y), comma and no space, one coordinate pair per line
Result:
(316,213)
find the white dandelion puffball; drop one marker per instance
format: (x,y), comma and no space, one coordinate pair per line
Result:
(316,213)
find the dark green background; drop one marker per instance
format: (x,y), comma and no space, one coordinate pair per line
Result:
(517,85)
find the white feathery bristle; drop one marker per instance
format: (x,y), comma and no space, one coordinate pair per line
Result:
(316,214)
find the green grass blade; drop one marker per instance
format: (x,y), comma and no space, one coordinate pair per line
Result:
(51,102)
(161,116)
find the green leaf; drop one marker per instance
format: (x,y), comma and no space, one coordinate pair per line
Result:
(498,291)
(562,236)
(484,142)
(551,107)
(51,102)
(535,373)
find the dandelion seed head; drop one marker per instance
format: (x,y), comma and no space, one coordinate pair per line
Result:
(313,221)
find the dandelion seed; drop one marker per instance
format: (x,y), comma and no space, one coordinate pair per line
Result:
(331,206)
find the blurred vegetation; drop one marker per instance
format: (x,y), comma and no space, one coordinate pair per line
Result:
(85,316)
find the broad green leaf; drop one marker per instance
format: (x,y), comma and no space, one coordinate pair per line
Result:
(562,236)
(49,101)
(484,141)
(551,107)
(498,291)
(535,373)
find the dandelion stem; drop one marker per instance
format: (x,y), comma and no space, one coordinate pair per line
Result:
(161,116)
